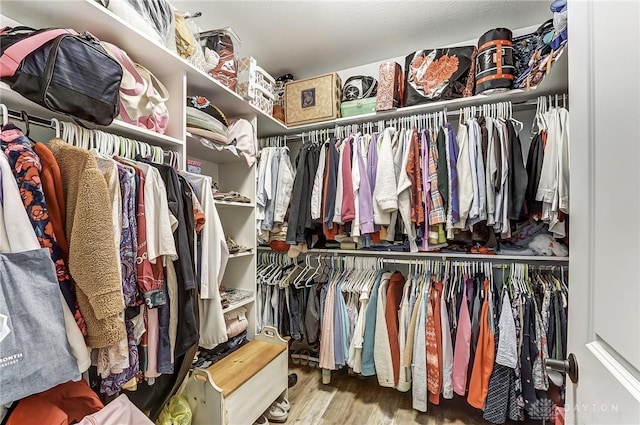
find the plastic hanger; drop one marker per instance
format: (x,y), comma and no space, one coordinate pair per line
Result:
(24,117)
(519,124)
(5,114)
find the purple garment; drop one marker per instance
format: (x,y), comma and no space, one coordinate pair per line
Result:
(113,383)
(331,181)
(340,356)
(366,195)
(372,165)
(128,237)
(372,159)
(453,184)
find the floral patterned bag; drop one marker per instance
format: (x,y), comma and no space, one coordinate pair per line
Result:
(439,74)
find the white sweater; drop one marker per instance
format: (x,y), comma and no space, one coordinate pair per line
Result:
(385,194)
(381,346)
(404,377)
(465,184)
(419,389)
(215,255)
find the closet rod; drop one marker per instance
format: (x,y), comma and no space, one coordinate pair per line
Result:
(21,115)
(456,263)
(504,265)
(454,112)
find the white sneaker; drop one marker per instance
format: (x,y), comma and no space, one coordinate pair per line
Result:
(277,414)
(262,420)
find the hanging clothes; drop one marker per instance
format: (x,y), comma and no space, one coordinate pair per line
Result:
(87,199)
(484,356)
(212,256)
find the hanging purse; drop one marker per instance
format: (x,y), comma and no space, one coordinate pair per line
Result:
(142,96)
(359,87)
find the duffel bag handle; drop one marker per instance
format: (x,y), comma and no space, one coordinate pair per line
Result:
(13,56)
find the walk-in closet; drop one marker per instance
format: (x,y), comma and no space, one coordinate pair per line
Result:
(315,213)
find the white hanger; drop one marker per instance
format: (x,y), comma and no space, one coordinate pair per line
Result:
(5,114)
(513,120)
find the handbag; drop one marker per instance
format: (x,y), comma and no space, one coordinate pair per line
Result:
(439,74)
(494,63)
(62,70)
(34,350)
(142,96)
(359,87)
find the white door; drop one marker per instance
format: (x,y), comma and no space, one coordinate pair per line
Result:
(604,289)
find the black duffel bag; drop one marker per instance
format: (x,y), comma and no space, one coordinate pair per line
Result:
(61,70)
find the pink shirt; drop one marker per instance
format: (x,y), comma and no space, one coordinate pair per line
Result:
(348,203)
(463,346)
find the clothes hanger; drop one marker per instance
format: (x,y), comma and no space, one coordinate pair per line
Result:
(24,117)
(5,114)
(513,120)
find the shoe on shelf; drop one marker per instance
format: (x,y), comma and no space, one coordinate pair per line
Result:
(262,420)
(304,357)
(234,248)
(277,414)
(236,197)
(284,403)
(295,357)
(313,359)
(293,380)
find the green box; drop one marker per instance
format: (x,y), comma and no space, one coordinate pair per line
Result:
(358,107)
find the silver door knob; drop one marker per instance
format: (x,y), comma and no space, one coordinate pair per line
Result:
(568,367)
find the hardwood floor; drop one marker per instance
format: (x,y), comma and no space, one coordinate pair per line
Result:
(351,400)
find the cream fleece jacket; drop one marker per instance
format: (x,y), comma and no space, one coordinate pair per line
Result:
(465,185)
(404,377)
(381,348)
(419,388)
(385,194)
(93,261)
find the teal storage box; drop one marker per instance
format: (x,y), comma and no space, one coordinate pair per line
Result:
(358,107)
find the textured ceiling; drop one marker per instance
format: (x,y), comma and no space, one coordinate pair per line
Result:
(307,38)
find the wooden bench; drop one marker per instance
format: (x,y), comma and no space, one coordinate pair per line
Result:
(239,388)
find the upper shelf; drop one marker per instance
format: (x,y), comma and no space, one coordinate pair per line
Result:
(14,100)
(556,82)
(88,15)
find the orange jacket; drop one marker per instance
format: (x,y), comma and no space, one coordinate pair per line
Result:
(61,405)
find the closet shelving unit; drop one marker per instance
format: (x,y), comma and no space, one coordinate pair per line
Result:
(181,79)
(556,82)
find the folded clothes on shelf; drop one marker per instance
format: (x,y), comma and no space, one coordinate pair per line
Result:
(233,295)
(205,358)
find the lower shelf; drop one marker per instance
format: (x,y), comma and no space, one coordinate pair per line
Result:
(241,254)
(239,304)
